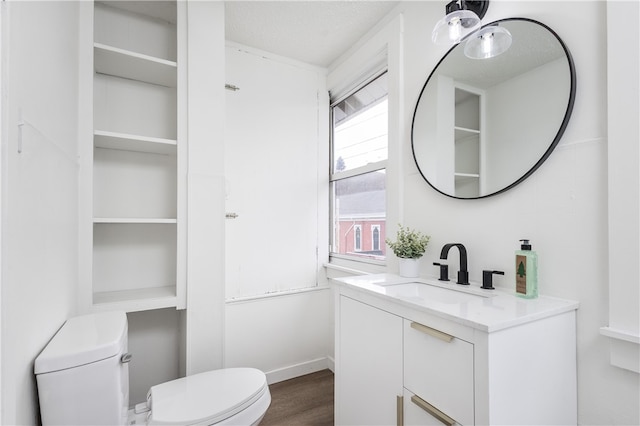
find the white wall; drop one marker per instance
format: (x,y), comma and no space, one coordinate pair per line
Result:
(204,317)
(154,343)
(623,76)
(562,207)
(275,183)
(272,172)
(39,190)
(285,336)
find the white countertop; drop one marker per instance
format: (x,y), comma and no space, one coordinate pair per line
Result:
(489,310)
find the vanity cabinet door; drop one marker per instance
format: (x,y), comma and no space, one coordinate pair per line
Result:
(438,368)
(369,369)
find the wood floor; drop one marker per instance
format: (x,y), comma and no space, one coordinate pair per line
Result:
(305,400)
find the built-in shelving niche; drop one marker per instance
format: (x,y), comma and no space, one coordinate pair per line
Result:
(135,156)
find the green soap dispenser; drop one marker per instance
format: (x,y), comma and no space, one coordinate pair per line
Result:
(526,271)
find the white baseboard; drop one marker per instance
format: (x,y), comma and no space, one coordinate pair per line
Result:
(297,370)
(331,364)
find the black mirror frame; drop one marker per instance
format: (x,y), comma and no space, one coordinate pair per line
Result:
(554,143)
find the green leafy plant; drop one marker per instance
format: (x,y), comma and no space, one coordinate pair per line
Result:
(409,244)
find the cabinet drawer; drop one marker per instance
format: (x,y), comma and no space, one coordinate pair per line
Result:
(416,412)
(438,368)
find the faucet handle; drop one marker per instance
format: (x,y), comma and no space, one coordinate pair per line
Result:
(444,271)
(487,279)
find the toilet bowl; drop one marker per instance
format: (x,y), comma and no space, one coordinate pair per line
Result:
(83,378)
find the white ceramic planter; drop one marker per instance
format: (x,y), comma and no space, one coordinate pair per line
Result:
(409,268)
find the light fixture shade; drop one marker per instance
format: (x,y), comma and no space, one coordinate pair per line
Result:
(488,42)
(455,26)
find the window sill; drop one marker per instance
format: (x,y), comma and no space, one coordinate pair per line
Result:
(339,264)
(345,269)
(624,348)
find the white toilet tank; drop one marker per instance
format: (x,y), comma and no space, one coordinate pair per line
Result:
(83,373)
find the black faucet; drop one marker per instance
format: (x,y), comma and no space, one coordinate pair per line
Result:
(463,274)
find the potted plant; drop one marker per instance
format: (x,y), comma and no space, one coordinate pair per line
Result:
(409,246)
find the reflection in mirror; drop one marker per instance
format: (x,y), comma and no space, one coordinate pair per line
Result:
(481,127)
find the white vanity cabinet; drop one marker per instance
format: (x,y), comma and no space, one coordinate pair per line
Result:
(132,156)
(380,353)
(497,360)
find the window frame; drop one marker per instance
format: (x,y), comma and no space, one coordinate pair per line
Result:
(362,170)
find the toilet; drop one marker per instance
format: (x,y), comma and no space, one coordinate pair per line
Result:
(83,379)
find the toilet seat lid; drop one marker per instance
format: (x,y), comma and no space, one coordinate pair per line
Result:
(206,398)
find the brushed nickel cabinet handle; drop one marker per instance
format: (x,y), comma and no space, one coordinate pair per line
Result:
(400,410)
(432,332)
(442,417)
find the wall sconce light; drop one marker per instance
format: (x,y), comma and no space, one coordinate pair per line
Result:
(463,18)
(488,42)
(463,22)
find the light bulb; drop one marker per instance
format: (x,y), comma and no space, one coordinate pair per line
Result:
(487,43)
(455,29)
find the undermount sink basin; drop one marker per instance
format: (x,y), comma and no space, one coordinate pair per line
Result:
(425,292)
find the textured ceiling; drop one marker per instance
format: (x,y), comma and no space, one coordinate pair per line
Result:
(533,46)
(315,32)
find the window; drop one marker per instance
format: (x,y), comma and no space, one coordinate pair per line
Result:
(357,238)
(358,171)
(375,237)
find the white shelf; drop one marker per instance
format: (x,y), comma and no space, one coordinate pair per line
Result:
(136,300)
(133,220)
(462,134)
(136,143)
(467,175)
(467,130)
(134,66)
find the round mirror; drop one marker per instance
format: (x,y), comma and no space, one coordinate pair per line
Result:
(481,126)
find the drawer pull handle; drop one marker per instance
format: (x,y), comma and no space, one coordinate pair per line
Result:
(432,332)
(442,417)
(399,410)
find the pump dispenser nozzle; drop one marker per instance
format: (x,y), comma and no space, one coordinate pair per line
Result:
(525,245)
